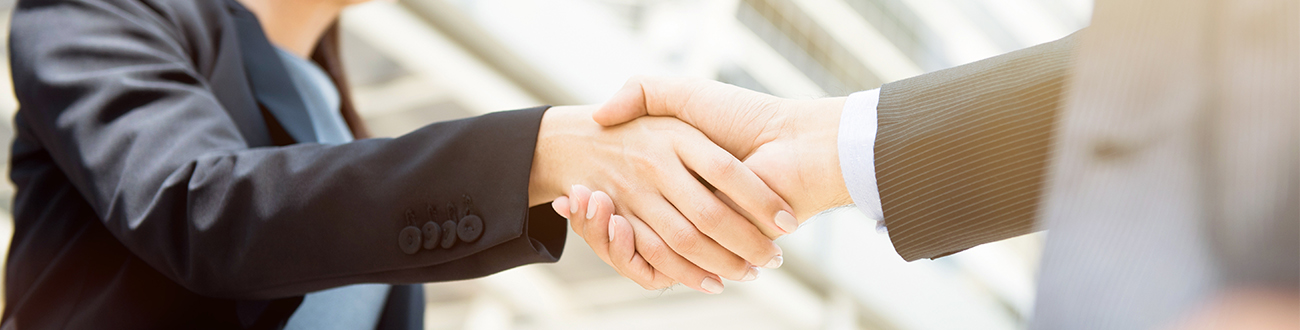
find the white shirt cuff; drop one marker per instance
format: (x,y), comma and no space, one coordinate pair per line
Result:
(857,140)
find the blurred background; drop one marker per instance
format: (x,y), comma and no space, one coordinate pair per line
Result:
(413,62)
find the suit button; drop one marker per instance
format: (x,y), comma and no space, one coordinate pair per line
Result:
(470,228)
(409,239)
(448,234)
(432,233)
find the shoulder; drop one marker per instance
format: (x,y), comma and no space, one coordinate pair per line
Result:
(195,11)
(46,31)
(45,20)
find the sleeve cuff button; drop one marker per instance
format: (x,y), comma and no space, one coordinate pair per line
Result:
(448,234)
(409,240)
(470,228)
(432,234)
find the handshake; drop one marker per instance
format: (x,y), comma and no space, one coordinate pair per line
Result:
(692,179)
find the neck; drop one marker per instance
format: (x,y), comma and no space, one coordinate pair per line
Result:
(295,25)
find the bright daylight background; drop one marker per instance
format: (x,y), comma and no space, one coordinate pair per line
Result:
(414,62)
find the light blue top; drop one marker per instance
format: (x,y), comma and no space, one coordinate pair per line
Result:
(320,96)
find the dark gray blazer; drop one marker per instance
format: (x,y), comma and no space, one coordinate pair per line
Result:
(153,191)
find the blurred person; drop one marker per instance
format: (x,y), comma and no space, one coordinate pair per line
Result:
(199,164)
(1159,146)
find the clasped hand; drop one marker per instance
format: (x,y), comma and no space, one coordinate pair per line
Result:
(700,196)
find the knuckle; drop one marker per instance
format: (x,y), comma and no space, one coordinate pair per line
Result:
(685,241)
(738,271)
(766,202)
(656,254)
(711,216)
(645,164)
(771,199)
(756,255)
(722,167)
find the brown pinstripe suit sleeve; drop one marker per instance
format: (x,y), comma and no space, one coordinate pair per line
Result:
(961,153)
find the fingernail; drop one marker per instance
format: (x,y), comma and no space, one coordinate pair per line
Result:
(786,221)
(555,204)
(774,263)
(573,207)
(613,221)
(751,275)
(711,286)
(591,208)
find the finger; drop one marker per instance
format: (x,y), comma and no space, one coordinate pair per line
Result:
(622,251)
(621,231)
(580,202)
(684,238)
(649,96)
(595,230)
(726,173)
(599,206)
(721,223)
(578,196)
(561,206)
(659,255)
(627,104)
(771,234)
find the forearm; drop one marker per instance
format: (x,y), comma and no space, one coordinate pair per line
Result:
(960,154)
(218,223)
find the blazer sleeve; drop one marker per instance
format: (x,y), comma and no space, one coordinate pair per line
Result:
(111,94)
(961,153)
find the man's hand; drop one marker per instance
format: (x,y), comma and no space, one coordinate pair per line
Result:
(790,144)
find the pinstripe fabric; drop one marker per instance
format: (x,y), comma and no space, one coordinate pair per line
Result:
(961,153)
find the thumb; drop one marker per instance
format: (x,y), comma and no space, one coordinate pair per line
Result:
(626,104)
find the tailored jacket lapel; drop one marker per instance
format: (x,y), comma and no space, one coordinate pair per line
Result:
(269,79)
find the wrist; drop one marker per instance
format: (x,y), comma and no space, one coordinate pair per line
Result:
(556,146)
(815,125)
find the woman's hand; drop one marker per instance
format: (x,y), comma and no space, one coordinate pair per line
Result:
(591,215)
(682,230)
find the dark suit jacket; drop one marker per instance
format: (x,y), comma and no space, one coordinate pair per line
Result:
(152,192)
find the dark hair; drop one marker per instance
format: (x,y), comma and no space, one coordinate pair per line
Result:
(327,56)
